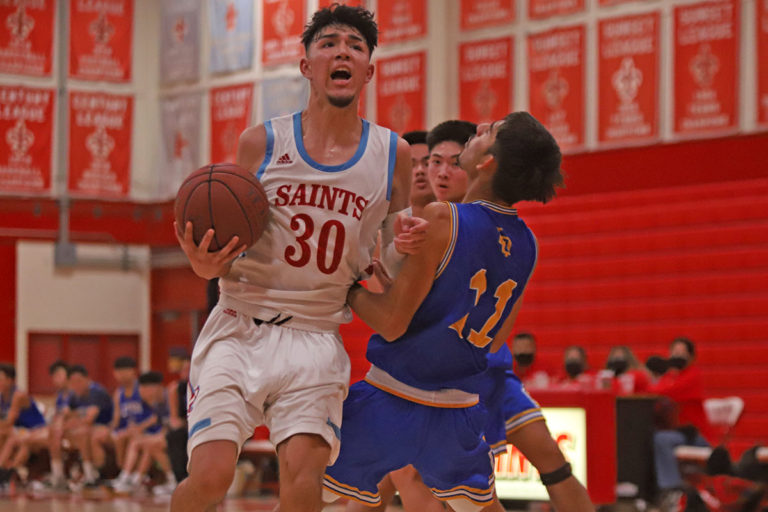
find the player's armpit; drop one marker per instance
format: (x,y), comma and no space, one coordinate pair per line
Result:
(251,147)
(390,313)
(506,328)
(400,197)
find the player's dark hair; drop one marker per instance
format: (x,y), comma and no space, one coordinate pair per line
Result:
(415,137)
(528,160)
(123,362)
(151,378)
(179,353)
(8,370)
(77,368)
(355,17)
(455,130)
(56,365)
(526,335)
(689,345)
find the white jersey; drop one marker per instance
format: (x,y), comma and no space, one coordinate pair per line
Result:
(322,229)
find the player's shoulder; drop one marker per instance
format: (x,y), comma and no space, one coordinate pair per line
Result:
(254,137)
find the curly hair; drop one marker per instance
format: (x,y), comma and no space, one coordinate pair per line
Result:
(337,14)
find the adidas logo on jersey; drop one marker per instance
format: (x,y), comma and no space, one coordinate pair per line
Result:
(284,160)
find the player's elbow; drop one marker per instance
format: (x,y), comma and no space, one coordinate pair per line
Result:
(393,331)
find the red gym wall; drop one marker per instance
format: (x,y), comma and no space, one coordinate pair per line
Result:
(643,245)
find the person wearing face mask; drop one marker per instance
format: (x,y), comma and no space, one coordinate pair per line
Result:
(577,376)
(682,384)
(525,365)
(628,377)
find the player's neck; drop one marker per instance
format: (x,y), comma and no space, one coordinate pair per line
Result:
(337,125)
(481,190)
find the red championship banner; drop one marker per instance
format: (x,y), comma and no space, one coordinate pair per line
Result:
(629,78)
(282,23)
(485,80)
(353,3)
(556,83)
(26,36)
(100,144)
(400,92)
(545,8)
(231,109)
(400,20)
(26,128)
(100,38)
(486,13)
(762,61)
(612,2)
(706,67)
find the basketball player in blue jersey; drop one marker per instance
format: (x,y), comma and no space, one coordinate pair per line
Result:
(450,305)
(58,374)
(270,351)
(127,405)
(20,418)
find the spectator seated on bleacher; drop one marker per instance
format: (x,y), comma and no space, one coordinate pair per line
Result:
(577,376)
(627,376)
(683,423)
(20,421)
(525,365)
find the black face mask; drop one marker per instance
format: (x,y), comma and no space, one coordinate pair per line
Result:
(657,365)
(573,368)
(618,366)
(677,362)
(524,358)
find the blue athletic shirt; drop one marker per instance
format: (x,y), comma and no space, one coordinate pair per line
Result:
(487,264)
(63,399)
(29,417)
(159,409)
(130,406)
(98,396)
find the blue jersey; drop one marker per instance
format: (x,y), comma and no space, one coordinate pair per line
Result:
(63,399)
(29,417)
(95,396)
(486,266)
(161,412)
(130,406)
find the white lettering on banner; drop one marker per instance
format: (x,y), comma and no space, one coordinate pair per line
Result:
(29,113)
(29,4)
(620,48)
(625,28)
(706,14)
(555,41)
(556,60)
(100,102)
(107,6)
(486,52)
(397,85)
(707,23)
(549,6)
(487,70)
(400,67)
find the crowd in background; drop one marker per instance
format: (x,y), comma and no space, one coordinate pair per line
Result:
(131,439)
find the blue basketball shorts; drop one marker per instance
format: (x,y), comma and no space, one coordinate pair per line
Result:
(381,432)
(509,406)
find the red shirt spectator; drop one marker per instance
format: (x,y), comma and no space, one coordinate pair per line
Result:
(525,364)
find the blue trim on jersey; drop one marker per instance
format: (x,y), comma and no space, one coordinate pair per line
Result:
(392,160)
(268,151)
(200,425)
(328,168)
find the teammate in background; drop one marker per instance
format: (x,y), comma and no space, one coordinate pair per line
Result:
(126,404)
(20,421)
(58,372)
(176,438)
(270,352)
(88,424)
(421,190)
(525,366)
(149,443)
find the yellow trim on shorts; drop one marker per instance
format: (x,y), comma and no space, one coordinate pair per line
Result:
(354,489)
(404,396)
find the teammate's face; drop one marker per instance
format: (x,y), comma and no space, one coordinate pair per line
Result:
(421,190)
(59,378)
(5,383)
(78,383)
(338,64)
(477,147)
(125,376)
(150,392)
(448,180)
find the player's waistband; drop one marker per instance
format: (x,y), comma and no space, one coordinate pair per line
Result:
(270,316)
(449,398)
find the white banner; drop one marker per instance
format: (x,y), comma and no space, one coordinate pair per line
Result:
(180,40)
(231,27)
(284,95)
(180,119)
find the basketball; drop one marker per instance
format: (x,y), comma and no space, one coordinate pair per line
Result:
(226,198)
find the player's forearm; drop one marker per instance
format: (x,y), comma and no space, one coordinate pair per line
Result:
(377,310)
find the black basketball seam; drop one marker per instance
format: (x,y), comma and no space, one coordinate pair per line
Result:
(237,200)
(210,206)
(186,204)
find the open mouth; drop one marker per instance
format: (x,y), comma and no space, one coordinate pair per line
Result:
(341,74)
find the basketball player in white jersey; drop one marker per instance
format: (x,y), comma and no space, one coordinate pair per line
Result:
(270,352)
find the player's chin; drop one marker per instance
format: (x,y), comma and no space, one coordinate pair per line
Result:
(341,101)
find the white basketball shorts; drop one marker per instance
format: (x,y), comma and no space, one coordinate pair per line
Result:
(244,375)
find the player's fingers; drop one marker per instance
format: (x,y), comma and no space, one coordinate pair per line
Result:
(227,249)
(206,241)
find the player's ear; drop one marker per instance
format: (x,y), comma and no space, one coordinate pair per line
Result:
(487,163)
(305,68)
(369,72)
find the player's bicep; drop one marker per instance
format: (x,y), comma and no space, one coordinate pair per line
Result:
(400,197)
(506,328)
(251,147)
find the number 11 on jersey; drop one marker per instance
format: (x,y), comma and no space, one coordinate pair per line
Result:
(503,293)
